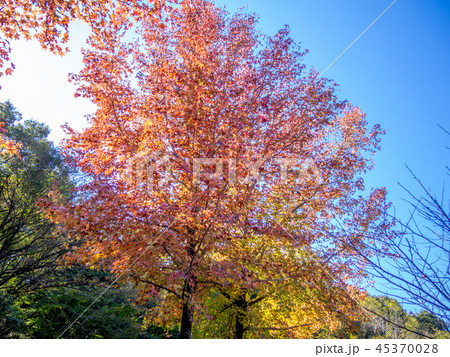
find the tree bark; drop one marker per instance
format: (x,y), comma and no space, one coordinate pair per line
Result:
(239,328)
(187,315)
(186,321)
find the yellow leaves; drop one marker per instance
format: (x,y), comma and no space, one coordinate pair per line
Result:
(217,257)
(240,237)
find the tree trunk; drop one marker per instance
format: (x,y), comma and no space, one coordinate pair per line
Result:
(239,328)
(187,315)
(186,321)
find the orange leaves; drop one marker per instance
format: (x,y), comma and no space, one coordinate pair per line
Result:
(201,86)
(7,147)
(49,23)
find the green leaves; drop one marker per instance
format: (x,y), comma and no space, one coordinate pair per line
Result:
(28,249)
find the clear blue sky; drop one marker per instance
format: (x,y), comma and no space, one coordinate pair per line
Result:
(397,73)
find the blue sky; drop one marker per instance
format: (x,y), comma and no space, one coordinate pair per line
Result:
(397,73)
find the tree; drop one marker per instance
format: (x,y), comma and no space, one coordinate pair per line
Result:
(203,88)
(29,249)
(48,22)
(46,313)
(38,295)
(307,307)
(418,273)
(387,319)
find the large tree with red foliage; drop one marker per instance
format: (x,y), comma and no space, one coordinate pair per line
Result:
(216,162)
